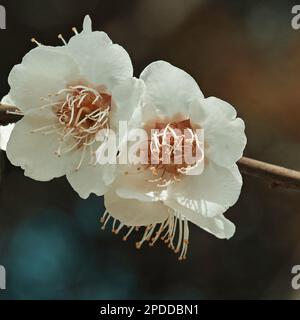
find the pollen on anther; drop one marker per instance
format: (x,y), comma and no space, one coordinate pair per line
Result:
(75,30)
(60,36)
(33,40)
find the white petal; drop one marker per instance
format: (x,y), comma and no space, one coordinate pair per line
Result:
(87,24)
(217,225)
(91,179)
(212,108)
(224,133)
(169,88)
(100,61)
(216,184)
(134,179)
(143,115)
(5,132)
(35,152)
(7,100)
(135,212)
(126,95)
(135,185)
(43,71)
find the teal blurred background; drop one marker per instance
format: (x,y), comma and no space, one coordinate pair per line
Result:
(245,52)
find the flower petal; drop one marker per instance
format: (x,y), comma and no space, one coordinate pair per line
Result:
(5,132)
(87,24)
(43,71)
(134,184)
(91,178)
(217,225)
(134,212)
(169,88)
(100,61)
(216,184)
(126,95)
(35,152)
(7,100)
(224,134)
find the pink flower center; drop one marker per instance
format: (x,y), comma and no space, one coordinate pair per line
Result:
(81,111)
(173,149)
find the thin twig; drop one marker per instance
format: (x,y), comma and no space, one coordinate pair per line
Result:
(275,175)
(6,117)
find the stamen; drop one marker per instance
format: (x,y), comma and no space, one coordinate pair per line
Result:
(90,143)
(72,147)
(58,151)
(33,40)
(52,104)
(92,155)
(114,225)
(60,36)
(105,222)
(51,126)
(179,238)
(166,160)
(185,240)
(81,113)
(45,133)
(175,226)
(158,233)
(75,30)
(147,235)
(82,158)
(128,234)
(173,233)
(119,228)
(104,216)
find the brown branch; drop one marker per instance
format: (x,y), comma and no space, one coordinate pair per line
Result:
(6,117)
(275,175)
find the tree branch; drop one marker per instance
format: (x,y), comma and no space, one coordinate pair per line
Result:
(6,117)
(275,175)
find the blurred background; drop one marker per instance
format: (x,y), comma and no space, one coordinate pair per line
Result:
(245,52)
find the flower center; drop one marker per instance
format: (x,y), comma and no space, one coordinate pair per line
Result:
(84,113)
(173,150)
(81,111)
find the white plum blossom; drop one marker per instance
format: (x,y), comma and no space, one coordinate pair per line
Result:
(5,131)
(68,94)
(163,198)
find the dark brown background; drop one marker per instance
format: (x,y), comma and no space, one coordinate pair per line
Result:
(245,52)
